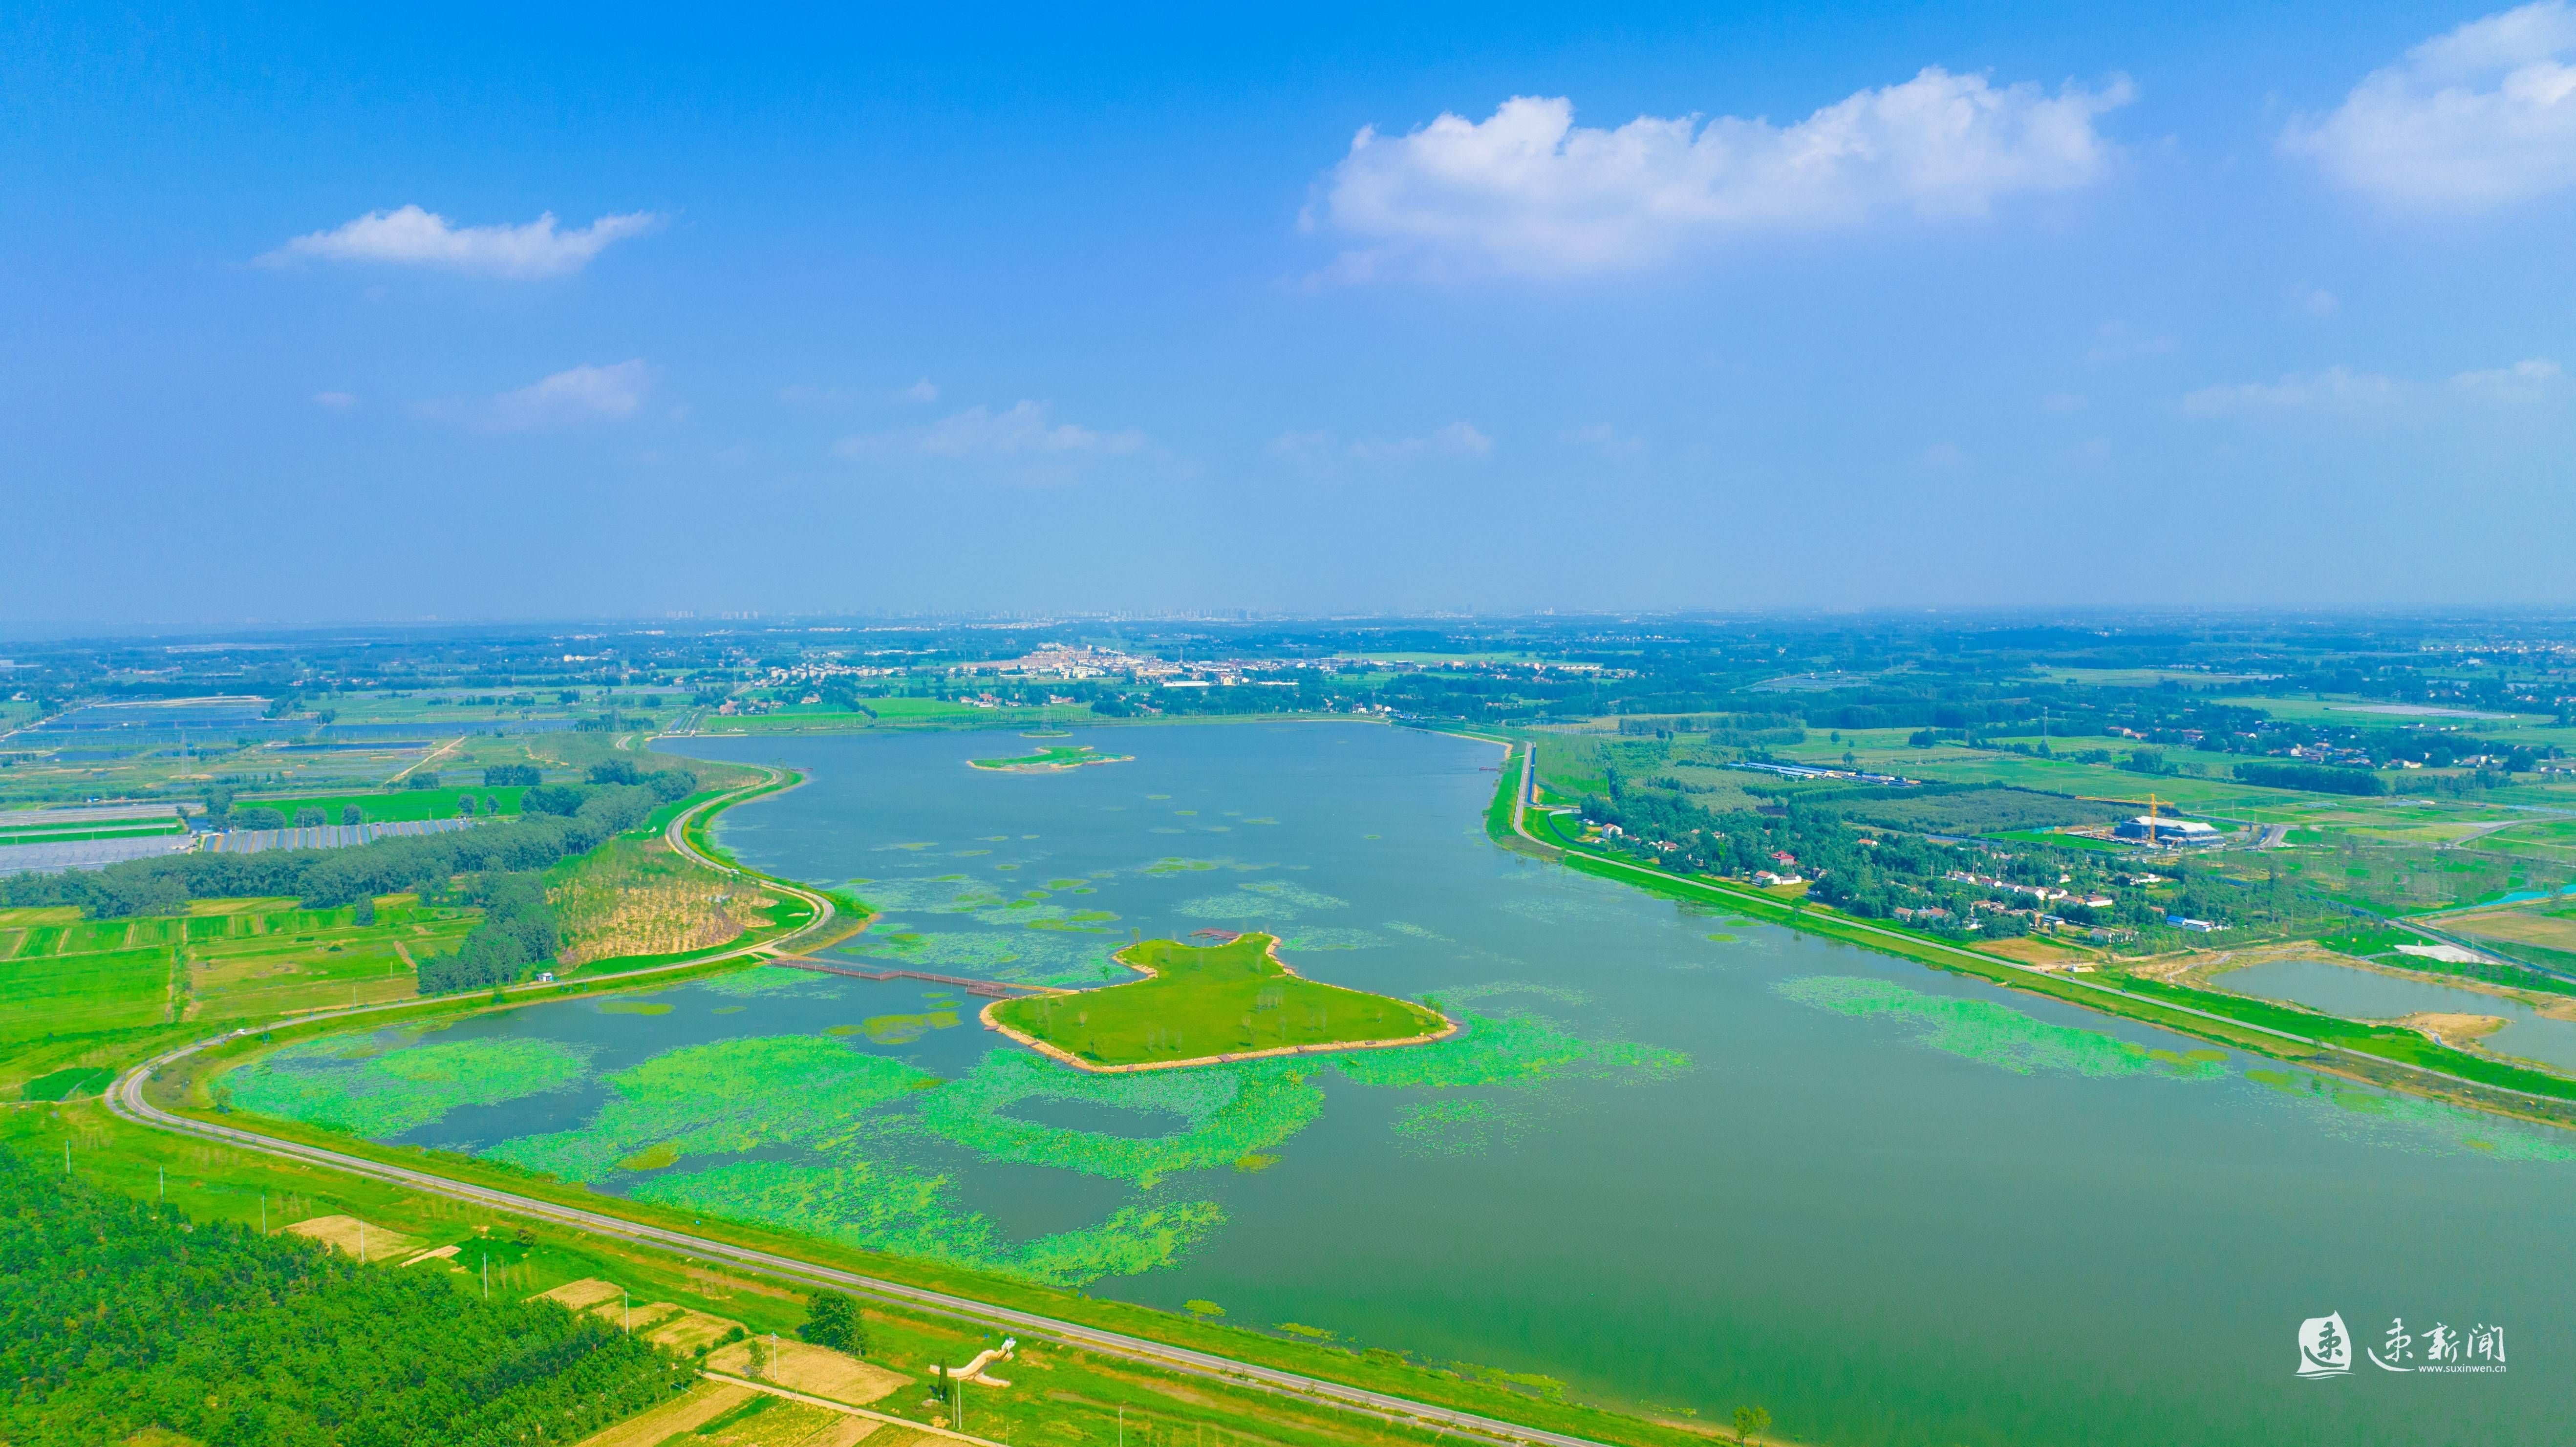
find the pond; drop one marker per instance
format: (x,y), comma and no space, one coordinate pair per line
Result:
(1678,1161)
(2369,995)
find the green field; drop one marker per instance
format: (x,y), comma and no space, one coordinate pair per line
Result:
(1202,1001)
(2065,841)
(137,830)
(259,959)
(73,992)
(387,806)
(46,994)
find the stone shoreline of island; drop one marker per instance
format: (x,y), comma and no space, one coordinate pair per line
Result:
(1449,1027)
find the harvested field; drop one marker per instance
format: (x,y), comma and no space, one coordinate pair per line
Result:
(353,1237)
(774,1422)
(805,1367)
(2549,931)
(684,1413)
(2032,950)
(845,1431)
(582,1295)
(687,1330)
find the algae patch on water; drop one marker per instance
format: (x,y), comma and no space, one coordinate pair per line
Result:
(354,1083)
(1510,1050)
(1450,1127)
(882,1207)
(722,1098)
(1992,1034)
(1233,1111)
(899,1029)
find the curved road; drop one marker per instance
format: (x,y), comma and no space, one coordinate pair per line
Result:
(125,1098)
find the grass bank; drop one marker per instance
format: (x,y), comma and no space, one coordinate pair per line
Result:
(1199,1004)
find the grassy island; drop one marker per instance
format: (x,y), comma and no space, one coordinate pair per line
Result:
(1053,759)
(1200,1004)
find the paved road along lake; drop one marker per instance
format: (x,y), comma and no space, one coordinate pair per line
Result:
(1677,1160)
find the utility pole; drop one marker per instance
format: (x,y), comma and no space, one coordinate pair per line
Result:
(487,1276)
(362,1243)
(165,1184)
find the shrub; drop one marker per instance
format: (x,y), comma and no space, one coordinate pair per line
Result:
(833,1320)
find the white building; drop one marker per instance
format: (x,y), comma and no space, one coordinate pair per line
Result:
(2148,829)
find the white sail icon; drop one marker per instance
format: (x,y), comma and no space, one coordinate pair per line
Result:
(2325,1348)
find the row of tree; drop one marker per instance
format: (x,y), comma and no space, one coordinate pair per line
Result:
(117,1319)
(518,933)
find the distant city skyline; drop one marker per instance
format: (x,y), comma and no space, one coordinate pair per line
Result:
(493,315)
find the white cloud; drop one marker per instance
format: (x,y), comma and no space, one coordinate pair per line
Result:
(2338,388)
(2532,380)
(1526,191)
(2479,117)
(577,394)
(414,237)
(2316,301)
(924,390)
(336,401)
(1023,428)
(1303,446)
(2117,341)
(1611,441)
(1457,440)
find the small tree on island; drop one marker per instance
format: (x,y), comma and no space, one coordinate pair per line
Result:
(833,1320)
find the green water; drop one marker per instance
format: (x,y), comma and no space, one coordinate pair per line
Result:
(1670,1169)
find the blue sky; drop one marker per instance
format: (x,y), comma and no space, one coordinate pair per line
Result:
(1309,309)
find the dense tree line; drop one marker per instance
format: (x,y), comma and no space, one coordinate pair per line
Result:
(328,878)
(2314,778)
(518,932)
(116,1318)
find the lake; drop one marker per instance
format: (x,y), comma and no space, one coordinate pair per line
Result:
(1677,1161)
